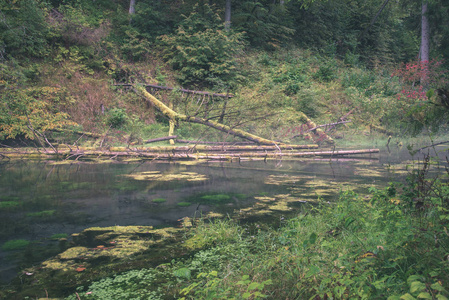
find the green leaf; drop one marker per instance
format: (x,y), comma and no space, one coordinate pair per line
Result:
(312,238)
(407,297)
(312,271)
(414,278)
(183,273)
(393,298)
(246,295)
(417,286)
(430,93)
(253,286)
(424,295)
(437,286)
(441,297)
(213,273)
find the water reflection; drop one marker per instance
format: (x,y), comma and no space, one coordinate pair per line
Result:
(41,200)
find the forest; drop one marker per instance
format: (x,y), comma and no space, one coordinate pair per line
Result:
(62,63)
(116,76)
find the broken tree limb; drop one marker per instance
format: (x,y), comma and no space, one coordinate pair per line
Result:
(172,115)
(323,125)
(158,87)
(165,138)
(319,136)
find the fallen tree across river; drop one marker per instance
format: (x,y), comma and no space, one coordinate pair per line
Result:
(176,153)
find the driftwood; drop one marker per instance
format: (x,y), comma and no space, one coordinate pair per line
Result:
(158,87)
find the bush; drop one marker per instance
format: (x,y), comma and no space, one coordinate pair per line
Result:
(117,117)
(202,51)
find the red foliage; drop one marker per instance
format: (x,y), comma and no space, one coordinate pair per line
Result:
(418,77)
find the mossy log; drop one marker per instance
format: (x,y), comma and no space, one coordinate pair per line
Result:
(153,153)
(172,115)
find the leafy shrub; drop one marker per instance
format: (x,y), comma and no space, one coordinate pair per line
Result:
(202,51)
(326,72)
(135,284)
(23,29)
(117,117)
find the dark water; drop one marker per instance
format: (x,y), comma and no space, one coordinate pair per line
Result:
(41,199)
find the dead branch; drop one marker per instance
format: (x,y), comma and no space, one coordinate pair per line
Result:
(165,138)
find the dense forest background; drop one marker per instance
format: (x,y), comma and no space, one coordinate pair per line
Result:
(380,63)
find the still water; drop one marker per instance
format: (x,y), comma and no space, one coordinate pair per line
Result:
(42,201)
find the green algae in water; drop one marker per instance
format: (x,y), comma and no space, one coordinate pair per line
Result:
(15,245)
(9,204)
(58,236)
(216,198)
(44,213)
(184,204)
(159,200)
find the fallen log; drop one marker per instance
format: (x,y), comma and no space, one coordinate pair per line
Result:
(158,87)
(213,143)
(165,138)
(172,115)
(154,155)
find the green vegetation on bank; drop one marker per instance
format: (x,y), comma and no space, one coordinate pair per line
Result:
(393,244)
(60,59)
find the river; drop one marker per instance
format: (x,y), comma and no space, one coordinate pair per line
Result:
(42,201)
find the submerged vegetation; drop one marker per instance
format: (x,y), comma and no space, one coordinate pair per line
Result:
(389,245)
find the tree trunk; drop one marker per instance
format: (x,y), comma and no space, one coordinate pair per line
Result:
(424,55)
(132,7)
(228,15)
(425,36)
